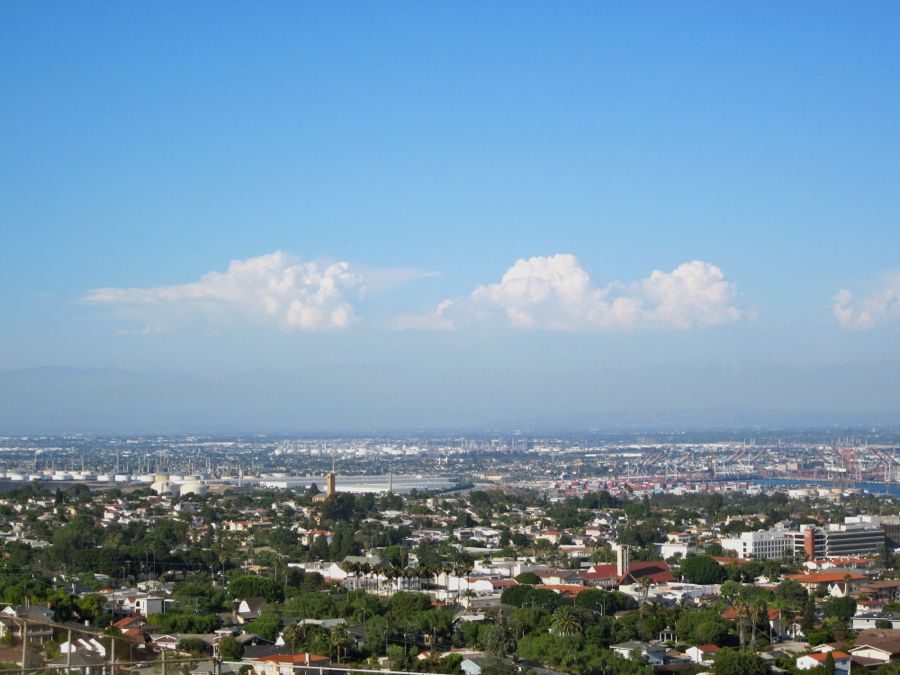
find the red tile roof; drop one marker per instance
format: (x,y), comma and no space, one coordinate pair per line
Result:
(821,656)
(825,577)
(125,622)
(657,570)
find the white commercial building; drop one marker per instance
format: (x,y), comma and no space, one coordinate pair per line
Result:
(761,545)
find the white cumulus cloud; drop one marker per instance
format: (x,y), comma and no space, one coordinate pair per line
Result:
(878,308)
(297,295)
(555,293)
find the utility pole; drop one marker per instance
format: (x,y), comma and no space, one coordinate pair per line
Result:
(112,655)
(165,667)
(69,651)
(24,632)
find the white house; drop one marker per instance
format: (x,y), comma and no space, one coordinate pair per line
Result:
(817,660)
(871,619)
(249,609)
(633,649)
(702,654)
(880,646)
(150,605)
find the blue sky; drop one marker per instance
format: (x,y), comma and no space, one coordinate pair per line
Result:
(410,154)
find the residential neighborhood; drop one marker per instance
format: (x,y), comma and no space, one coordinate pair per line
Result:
(475,581)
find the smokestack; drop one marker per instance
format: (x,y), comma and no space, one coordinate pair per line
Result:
(623,561)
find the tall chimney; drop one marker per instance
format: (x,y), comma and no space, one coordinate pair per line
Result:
(809,542)
(622,561)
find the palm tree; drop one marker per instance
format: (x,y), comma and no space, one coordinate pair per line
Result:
(420,573)
(407,576)
(391,573)
(339,639)
(847,579)
(354,569)
(787,613)
(742,608)
(759,611)
(294,634)
(432,572)
(645,591)
(460,570)
(450,570)
(565,623)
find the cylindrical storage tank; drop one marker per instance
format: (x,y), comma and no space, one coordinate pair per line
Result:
(193,487)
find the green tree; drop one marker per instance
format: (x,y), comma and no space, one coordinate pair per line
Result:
(397,657)
(193,646)
(738,662)
(840,608)
(565,623)
(529,578)
(517,596)
(600,602)
(253,586)
(701,569)
(809,615)
(496,641)
(702,626)
(230,649)
(791,590)
(266,626)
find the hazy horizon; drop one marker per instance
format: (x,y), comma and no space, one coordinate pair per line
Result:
(64,400)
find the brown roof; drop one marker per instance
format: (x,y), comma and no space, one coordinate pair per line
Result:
(127,621)
(825,577)
(657,570)
(885,639)
(565,589)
